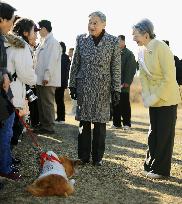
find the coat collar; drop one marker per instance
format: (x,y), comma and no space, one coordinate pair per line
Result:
(124,50)
(43,42)
(90,40)
(50,35)
(14,41)
(149,47)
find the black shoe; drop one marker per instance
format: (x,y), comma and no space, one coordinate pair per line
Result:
(49,132)
(97,163)
(16,161)
(36,130)
(44,131)
(12,176)
(84,162)
(37,127)
(15,169)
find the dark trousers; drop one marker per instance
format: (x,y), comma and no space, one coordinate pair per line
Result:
(123,109)
(161,139)
(59,98)
(111,111)
(34,112)
(86,143)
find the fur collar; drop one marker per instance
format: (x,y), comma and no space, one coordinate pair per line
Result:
(15,41)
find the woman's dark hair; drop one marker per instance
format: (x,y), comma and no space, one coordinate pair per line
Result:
(63,47)
(16,19)
(6,11)
(23,25)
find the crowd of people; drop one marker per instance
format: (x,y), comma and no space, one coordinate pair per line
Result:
(101,72)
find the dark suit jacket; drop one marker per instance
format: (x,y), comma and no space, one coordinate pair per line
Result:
(65,68)
(128,67)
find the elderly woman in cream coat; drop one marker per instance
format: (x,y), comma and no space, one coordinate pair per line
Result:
(161,94)
(95,73)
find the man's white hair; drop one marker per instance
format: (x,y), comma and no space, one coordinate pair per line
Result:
(99,14)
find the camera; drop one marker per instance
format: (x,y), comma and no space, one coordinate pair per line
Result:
(30,94)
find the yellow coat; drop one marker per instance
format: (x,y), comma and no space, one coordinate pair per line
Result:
(159,86)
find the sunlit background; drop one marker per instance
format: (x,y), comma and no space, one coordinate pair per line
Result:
(70,17)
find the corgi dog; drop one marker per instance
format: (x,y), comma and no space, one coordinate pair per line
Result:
(53,179)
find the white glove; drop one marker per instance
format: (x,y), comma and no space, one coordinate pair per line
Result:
(150,100)
(144,97)
(72,182)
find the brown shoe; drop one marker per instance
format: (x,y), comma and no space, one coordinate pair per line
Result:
(12,176)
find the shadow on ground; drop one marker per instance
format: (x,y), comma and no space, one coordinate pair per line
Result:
(117,181)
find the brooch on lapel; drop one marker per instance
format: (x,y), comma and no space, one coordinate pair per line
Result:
(149,51)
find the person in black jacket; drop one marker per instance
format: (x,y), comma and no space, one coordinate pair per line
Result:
(6,109)
(59,95)
(128,69)
(178,65)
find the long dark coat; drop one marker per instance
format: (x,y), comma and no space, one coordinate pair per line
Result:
(95,72)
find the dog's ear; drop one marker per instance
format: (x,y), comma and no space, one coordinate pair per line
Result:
(76,162)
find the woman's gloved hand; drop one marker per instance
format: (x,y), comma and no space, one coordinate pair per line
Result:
(115,98)
(73,93)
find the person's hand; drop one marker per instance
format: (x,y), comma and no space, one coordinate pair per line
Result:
(150,100)
(115,98)
(73,93)
(45,82)
(124,85)
(6,82)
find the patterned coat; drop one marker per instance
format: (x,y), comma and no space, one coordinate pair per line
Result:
(95,72)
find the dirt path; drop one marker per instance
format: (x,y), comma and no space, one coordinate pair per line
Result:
(117,181)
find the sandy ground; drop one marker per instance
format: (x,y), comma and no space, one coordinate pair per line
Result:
(119,180)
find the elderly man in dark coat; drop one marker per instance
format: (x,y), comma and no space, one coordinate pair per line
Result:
(95,76)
